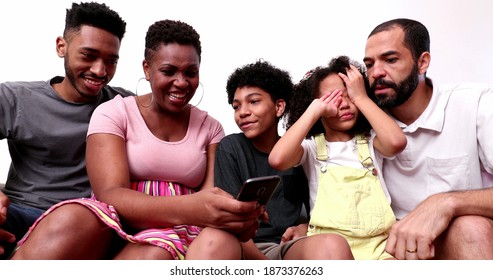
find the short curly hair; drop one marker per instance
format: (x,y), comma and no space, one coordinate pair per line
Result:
(307,90)
(262,74)
(168,32)
(96,15)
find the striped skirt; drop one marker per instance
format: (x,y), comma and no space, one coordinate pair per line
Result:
(174,239)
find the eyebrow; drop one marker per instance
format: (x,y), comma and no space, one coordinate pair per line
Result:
(92,50)
(385,54)
(250,95)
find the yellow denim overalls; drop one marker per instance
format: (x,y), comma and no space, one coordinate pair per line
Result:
(351,203)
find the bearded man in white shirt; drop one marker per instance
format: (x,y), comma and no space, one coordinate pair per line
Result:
(440,185)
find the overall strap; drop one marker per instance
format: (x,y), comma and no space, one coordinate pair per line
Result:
(322,152)
(362,144)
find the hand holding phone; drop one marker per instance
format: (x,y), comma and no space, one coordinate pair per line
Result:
(259,189)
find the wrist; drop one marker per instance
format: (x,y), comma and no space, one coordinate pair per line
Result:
(450,202)
(311,115)
(360,100)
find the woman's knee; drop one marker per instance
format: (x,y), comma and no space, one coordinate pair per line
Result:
(68,232)
(71,219)
(214,243)
(133,251)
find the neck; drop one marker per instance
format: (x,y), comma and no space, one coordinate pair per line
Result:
(266,141)
(332,135)
(337,136)
(69,93)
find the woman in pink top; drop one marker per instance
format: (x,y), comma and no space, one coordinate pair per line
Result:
(147,156)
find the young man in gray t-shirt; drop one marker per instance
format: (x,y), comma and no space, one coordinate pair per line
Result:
(45,123)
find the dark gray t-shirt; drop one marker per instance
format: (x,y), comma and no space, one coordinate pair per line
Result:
(46,137)
(237,160)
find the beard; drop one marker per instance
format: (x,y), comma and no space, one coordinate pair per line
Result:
(403,90)
(71,77)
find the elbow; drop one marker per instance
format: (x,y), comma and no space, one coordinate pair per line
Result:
(394,146)
(398,144)
(276,162)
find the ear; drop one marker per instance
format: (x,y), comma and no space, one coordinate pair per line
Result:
(280,107)
(424,62)
(145,66)
(61,46)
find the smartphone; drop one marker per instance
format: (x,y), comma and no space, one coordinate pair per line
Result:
(259,189)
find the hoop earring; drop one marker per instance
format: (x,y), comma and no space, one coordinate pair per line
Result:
(202,96)
(137,95)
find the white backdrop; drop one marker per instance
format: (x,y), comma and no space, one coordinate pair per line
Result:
(294,35)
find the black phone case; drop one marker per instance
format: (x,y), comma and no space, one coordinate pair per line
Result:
(259,189)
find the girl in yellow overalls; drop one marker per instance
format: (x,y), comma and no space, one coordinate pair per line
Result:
(329,134)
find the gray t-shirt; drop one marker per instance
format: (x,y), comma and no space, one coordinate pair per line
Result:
(237,160)
(46,137)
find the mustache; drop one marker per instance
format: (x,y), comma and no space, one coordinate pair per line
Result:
(382,82)
(94,77)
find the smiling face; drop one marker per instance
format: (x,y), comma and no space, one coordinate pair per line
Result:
(347,113)
(173,73)
(90,59)
(255,113)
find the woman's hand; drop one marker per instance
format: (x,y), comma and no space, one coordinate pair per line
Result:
(221,210)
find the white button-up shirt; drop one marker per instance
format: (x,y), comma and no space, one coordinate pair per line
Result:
(449,147)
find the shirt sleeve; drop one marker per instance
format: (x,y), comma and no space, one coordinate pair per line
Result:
(7,111)
(485,131)
(226,172)
(109,117)
(217,131)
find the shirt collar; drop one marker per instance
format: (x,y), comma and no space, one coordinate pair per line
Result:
(433,117)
